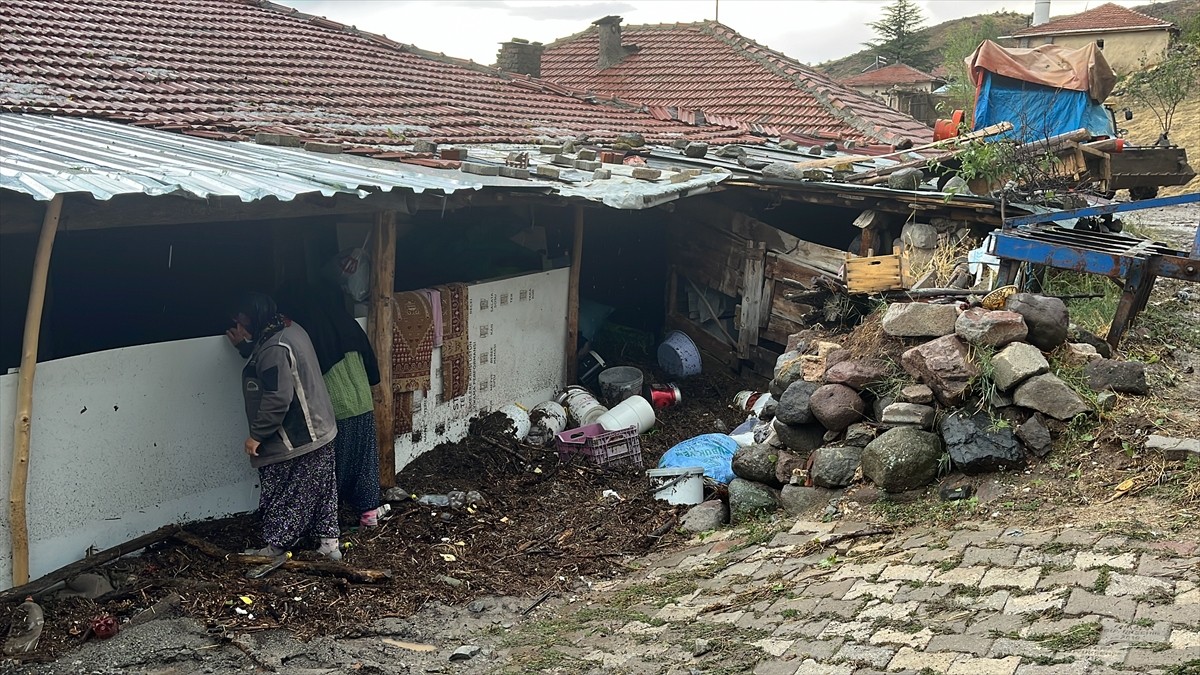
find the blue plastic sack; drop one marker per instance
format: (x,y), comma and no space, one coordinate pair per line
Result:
(714,452)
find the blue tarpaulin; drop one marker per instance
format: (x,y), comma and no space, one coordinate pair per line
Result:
(1037,111)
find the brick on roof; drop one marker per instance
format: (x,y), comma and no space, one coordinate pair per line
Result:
(226,68)
(709,67)
(897,73)
(1105,18)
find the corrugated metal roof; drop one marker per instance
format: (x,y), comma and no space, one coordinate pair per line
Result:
(47,155)
(44,155)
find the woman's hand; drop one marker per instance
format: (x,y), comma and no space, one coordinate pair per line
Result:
(237,335)
(252,447)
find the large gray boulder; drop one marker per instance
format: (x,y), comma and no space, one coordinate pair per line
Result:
(1126,377)
(748,500)
(919,235)
(705,517)
(978,445)
(835,467)
(945,366)
(793,406)
(837,406)
(1050,395)
(902,459)
(756,463)
(798,500)
(978,326)
(857,375)
(919,319)
(1046,318)
(800,438)
(1016,363)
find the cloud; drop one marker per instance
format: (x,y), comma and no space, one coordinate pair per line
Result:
(572,12)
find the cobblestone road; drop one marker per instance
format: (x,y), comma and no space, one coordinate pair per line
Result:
(965,600)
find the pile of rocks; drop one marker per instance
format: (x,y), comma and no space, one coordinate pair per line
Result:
(973,392)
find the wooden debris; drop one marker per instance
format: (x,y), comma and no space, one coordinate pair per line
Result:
(330,567)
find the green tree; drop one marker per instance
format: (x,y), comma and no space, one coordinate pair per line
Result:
(958,44)
(1163,87)
(898,34)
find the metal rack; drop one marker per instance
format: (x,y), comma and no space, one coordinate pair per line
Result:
(1137,263)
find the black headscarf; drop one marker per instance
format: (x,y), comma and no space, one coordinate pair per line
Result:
(264,320)
(334,333)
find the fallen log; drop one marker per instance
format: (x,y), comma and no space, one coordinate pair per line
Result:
(40,585)
(327,567)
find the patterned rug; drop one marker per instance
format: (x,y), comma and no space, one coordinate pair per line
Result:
(412,342)
(456,362)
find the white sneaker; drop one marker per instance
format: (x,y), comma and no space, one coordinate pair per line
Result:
(329,548)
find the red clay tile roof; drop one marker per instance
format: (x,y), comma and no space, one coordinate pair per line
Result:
(1105,18)
(897,73)
(709,67)
(222,67)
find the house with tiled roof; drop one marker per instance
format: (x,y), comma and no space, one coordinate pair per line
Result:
(228,68)
(1130,39)
(902,87)
(717,74)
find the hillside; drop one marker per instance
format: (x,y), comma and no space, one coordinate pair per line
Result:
(1174,10)
(1143,129)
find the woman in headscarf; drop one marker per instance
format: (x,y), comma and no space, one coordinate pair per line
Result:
(350,370)
(292,428)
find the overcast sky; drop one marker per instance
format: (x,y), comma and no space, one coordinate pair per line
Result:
(811,31)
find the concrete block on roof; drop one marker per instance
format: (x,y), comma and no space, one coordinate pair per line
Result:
(680,177)
(326,148)
(514,172)
(550,149)
(586,153)
(480,169)
(425,146)
(283,140)
(547,171)
(642,173)
(602,174)
(586,165)
(563,160)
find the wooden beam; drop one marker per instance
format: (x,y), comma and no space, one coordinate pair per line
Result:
(379,322)
(572,347)
(42,584)
(870,218)
(19,478)
(752,292)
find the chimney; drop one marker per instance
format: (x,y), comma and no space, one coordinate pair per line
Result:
(520,56)
(612,51)
(1041,12)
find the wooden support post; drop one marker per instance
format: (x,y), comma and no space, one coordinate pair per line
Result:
(572,347)
(753,277)
(379,322)
(18,525)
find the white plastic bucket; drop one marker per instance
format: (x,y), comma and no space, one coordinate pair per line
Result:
(678,355)
(678,485)
(550,422)
(520,420)
(619,383)
(582,406)
(634,411)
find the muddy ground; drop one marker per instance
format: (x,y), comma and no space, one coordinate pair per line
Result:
(545,535)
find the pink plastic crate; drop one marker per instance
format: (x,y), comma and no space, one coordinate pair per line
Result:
(603,448)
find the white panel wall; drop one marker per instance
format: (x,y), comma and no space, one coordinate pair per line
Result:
(124,442)
(128,440)
(517,329)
